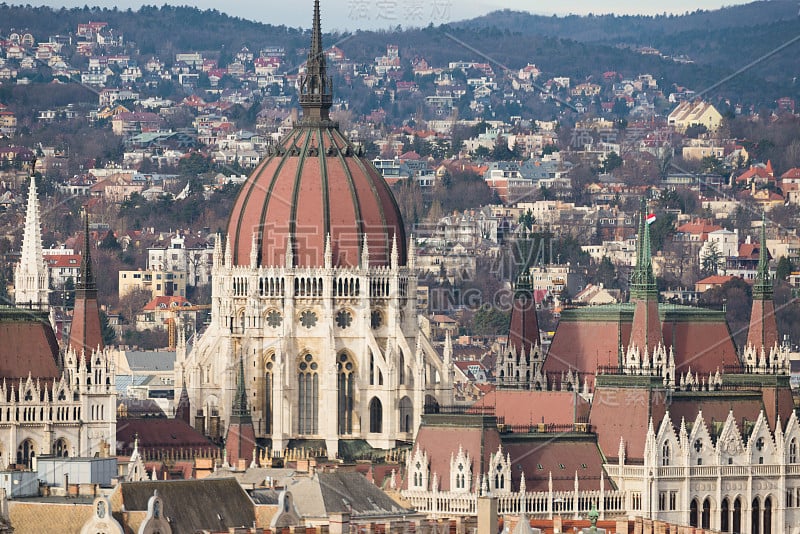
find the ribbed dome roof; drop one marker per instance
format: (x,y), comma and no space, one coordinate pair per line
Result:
(312,185)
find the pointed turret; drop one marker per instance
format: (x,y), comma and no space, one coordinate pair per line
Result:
(763,332)
(365,253)
(31,277)
(646,328)
(241,437)
(85,334)
(316,95)
(183,410)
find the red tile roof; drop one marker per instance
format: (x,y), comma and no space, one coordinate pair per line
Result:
(699,227)
(715,279)
(563,457)
(166,302)
(440,441)
(523,407)
(160,435)
(588,338)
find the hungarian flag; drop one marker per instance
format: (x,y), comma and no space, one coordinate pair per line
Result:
(651,218)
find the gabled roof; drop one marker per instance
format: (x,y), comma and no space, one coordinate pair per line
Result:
(214,505)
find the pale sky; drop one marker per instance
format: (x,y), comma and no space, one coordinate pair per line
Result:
(382,14)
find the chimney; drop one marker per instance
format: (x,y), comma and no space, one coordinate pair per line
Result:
(487,515)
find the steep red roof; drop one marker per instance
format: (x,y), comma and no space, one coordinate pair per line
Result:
(160,434)
(523,335)
(588,338)
(763,331)
(440,440)
(28,345)
(520,407)
(562,457)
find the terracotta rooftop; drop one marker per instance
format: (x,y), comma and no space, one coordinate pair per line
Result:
(159,434)
(524,407)
(28,345)
(588,338)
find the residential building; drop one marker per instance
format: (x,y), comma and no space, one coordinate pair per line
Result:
(159,283)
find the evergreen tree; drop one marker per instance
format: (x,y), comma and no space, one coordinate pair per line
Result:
(783,269)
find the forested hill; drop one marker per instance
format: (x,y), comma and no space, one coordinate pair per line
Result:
(634,28)
(154,29)
(719,42)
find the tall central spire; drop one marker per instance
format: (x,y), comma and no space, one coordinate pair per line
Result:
(646,328)
(643,281)
(316,96)
(763,332)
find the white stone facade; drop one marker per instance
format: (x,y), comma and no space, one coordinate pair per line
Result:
(747,480)
(72,416)
(329,352)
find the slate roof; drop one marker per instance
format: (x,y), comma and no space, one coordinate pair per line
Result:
(194,505)
(150,360)
(339,491)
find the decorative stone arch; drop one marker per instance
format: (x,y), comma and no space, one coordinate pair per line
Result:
(767,514)
(707,505)
(155,522)
(460,471)
(499,472)
(26,452)
(418,468)
(210,416)
(101,521)
(406,409)
(61,447)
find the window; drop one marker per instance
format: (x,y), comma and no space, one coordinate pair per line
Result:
(406,415)
(308,395)
(269,367)
(665,457)
(346,398)
(662,501)
(673,500)
(375,415)
(793,451)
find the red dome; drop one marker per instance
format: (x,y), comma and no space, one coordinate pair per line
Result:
(310,186)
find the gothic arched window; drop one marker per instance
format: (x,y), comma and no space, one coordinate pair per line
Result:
(346,372)
(269,369)
(308,395)
(375,415)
